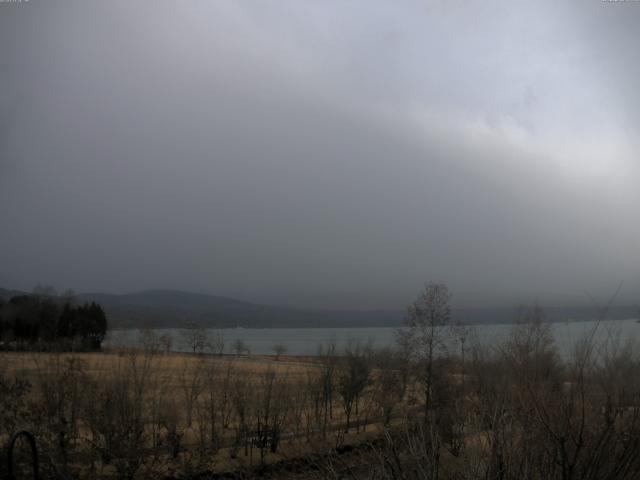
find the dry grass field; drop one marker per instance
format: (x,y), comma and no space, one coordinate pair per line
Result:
(131,413)
(29,364)
(517,410)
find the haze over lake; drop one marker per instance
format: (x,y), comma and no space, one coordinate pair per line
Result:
(305,341)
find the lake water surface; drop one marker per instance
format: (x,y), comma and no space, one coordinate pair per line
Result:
(305,341)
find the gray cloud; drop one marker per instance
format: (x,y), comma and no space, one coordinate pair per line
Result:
(325,154)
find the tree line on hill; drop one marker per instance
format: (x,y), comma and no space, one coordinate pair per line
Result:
(39,320)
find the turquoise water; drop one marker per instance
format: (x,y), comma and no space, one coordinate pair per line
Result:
(305,341)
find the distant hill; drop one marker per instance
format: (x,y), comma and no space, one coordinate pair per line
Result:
(170,308)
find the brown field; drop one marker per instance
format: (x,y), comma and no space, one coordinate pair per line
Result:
(513,412)
(197,412)
(29,364)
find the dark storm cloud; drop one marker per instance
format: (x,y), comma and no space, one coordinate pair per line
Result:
(320,153)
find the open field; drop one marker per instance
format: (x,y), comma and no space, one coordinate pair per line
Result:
(515,410)
(130,412)
(29,364)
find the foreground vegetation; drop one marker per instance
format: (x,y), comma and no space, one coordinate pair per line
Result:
(420,411)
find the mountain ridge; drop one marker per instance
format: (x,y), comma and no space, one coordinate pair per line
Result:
(165,308)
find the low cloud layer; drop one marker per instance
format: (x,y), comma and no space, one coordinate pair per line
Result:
(325,154)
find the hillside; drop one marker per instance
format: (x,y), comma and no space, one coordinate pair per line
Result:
(170,308)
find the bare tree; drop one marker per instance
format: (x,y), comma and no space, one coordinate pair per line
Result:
(169,421)
(353,377)
(208,409)
(115,413)
(225,406)
(216,343)
(279,349)
(195,337)
(531,347)
(313,388)
(60,380)
(328,362)
(240,347)
(270,412)
(149,341)
(166,342)
(462,335)
(242,401)
(424,333)
(389,386)
(191,385)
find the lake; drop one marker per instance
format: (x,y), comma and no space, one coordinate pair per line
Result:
(305,341)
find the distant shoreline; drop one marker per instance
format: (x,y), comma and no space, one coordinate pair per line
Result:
(353,327)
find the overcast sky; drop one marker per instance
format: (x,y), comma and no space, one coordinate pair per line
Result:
(322,153)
